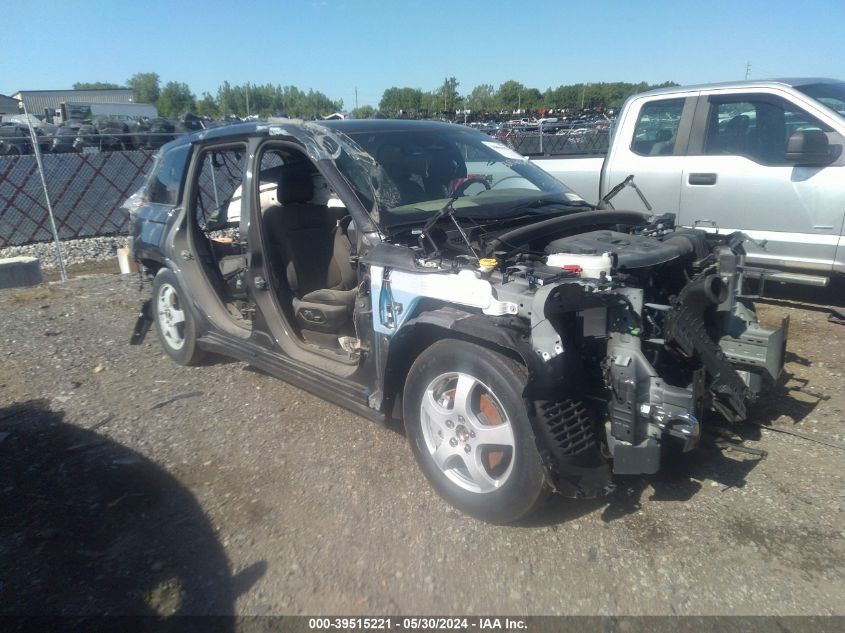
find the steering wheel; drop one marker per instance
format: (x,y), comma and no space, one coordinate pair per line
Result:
(460,190)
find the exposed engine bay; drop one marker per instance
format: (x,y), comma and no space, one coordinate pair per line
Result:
(636,330)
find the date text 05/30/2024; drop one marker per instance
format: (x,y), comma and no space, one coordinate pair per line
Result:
(413,624)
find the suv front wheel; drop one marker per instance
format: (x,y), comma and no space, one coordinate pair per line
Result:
(469,430)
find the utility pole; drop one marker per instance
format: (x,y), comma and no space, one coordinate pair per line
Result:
(356,97)
(747,70)
(247,98)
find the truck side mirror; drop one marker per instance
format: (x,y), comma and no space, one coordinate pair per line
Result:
(808,147)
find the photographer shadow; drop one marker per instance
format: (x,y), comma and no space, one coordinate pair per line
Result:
(90,527)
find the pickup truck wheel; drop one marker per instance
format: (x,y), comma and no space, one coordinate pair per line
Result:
(176,327)
(469,430)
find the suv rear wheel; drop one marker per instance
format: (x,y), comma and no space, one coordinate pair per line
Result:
(176,327)
(469,430)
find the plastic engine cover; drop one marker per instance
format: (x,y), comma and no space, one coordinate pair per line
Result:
(632,251)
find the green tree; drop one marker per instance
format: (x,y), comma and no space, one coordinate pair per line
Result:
(145,87)
(318,105)
(362,112)
(532,99)
(175,99)
(207,106)
(270,100)
(448,94)
(94,85)
(482,99)
(405,102)
(510,96)
(230,100)
(604,95)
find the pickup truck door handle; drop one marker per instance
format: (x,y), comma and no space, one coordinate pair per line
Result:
(702,179)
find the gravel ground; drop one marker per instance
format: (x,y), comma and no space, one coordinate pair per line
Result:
(131,485)
(91,249)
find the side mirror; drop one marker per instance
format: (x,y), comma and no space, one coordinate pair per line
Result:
(808,147)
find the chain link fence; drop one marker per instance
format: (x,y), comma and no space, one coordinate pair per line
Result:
(86,191)
(564,143)
(89,179)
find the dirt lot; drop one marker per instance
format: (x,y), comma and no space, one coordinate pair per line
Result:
(131,485)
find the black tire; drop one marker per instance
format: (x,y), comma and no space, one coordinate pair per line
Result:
(175,324)
(516,479)
(111,144)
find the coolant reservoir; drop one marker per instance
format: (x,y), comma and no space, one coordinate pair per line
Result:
(592,266)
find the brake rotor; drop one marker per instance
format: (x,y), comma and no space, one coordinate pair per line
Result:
(491,458)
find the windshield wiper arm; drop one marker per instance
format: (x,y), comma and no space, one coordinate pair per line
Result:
(447,210)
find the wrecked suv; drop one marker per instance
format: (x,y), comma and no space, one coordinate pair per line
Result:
(423,271)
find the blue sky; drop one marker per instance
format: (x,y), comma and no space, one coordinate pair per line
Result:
(336,45)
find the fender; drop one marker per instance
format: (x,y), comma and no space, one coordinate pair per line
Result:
(398,352)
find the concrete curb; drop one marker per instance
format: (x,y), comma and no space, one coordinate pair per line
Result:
(17,272)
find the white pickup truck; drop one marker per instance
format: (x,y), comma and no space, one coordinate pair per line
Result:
(764,157)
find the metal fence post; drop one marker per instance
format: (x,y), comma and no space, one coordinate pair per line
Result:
(37,149)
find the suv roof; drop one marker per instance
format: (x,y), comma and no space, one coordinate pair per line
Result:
(347,126)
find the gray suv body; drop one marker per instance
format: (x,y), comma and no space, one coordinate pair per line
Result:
(425,272)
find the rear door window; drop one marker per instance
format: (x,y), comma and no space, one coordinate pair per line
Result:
(755,126)
(220,188)
(657,128)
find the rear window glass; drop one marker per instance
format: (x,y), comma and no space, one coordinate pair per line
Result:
(167,177)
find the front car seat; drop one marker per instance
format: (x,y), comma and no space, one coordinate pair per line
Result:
(445,168)
(664,143)
(404,170)
(311,252)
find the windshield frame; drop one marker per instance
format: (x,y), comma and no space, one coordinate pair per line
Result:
(545,191)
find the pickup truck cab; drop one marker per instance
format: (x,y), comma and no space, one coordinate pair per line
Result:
(763,157)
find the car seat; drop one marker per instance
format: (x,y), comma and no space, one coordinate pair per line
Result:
(664,143)
(404,171)
(444,168)
(311,251)
(734,138)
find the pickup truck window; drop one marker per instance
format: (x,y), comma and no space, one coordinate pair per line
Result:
(755,126)
(830,94)
(657,128)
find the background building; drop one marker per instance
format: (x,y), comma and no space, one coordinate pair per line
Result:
(8,105)
(37,101)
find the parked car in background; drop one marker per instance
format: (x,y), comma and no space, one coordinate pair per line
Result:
(15,140)
(764,157)
(425,272)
